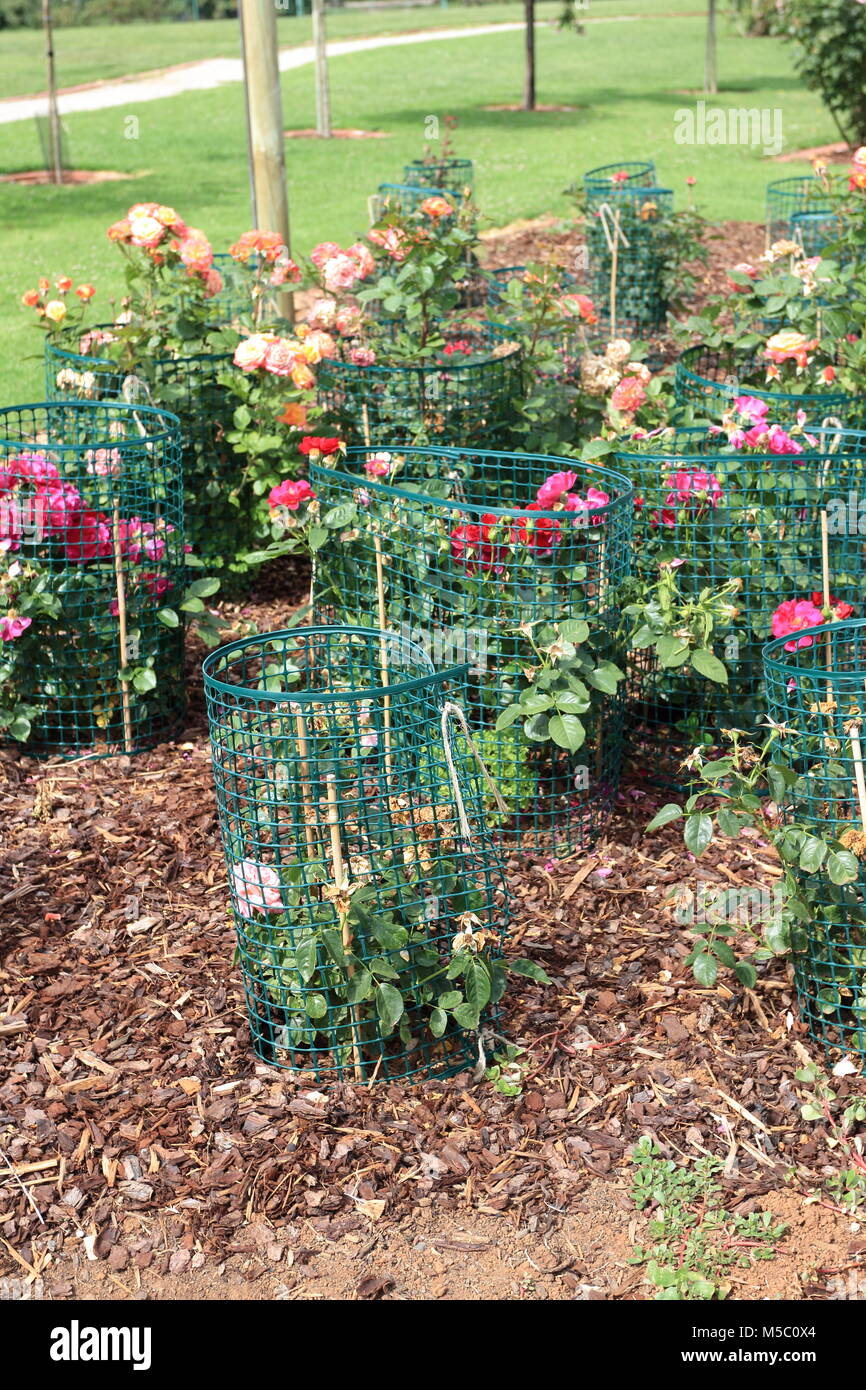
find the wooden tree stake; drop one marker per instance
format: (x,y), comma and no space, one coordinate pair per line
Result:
(306,790)
(341,883)
(121,623)
(383,620)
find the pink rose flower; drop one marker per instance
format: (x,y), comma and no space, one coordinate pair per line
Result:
(281,357)
(553,487)
(323,252)
(628,396)
(252,352)
(323,315)
(363,260)
(291,494)
(753,408)
(339,273)
(256,887)
(10,628)
(196,252)
(792,616)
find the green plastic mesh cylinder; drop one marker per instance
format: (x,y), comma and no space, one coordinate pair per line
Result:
(604,178)
(817,693)
(407,199)
(91,515)
(190,388)
(627,267)
(709,381)
(816,231)
(345,793)
(755,518)
(453,175)
(786,198)
(469,560)
(462,395)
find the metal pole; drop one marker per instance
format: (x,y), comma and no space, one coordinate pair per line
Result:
(53,114)
(265,124)
(323,92)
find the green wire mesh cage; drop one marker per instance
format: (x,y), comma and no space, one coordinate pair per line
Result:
(453,175)
(816,692)
(91,516)
(626,241)
(190,388)
(468,392)
(409,200)
(569,347)
(476,570)
(753,518)
(606,177)
(359,861)
(816,232)
(709,381)
(499,279)
(786,198)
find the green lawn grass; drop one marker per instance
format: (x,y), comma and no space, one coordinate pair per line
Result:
(623,80)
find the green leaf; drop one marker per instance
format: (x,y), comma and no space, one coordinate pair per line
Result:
(567,731)
(812,854)
(360,985)
(509,716)
(671,651)
(144,680)
(389,1007)
(305,959)
(574,630)
(697,833)
(203,588)
(664,817)
(746,973)
(19,728)
(477,981)
(438,1022)
(705,969)
(466,1016)
(168,617)
(316,1005)
(537,729)
(708,665)
(529,969)
(842,866)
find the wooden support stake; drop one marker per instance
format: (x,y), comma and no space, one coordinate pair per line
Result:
(859,780)
(825,575)
(341,883)
(121,623)
(306,789)
(383,620)
(614,272)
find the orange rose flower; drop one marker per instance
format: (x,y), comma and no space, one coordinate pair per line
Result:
(294,414)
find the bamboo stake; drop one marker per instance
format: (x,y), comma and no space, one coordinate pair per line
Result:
(825,574)
(121,623)
(614,272)
(306,790)
(341,884)
(383,621)
(859,780)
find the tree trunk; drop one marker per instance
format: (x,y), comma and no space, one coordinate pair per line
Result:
(53,114)
(323,90)
(711,85)
(529,80)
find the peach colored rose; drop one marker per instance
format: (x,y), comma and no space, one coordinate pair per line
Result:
(146,232)
(252,352)
(55,310)
(318,345)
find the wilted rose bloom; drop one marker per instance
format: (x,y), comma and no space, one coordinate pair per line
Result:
(628,396)
(618,351)
(12,627)
(792,616)
(55,310)
(436,207)
(256,887)
(253,351)
(840,609)
(553,487)
(393,241)
(290,494)
(362,356)
(364,263)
